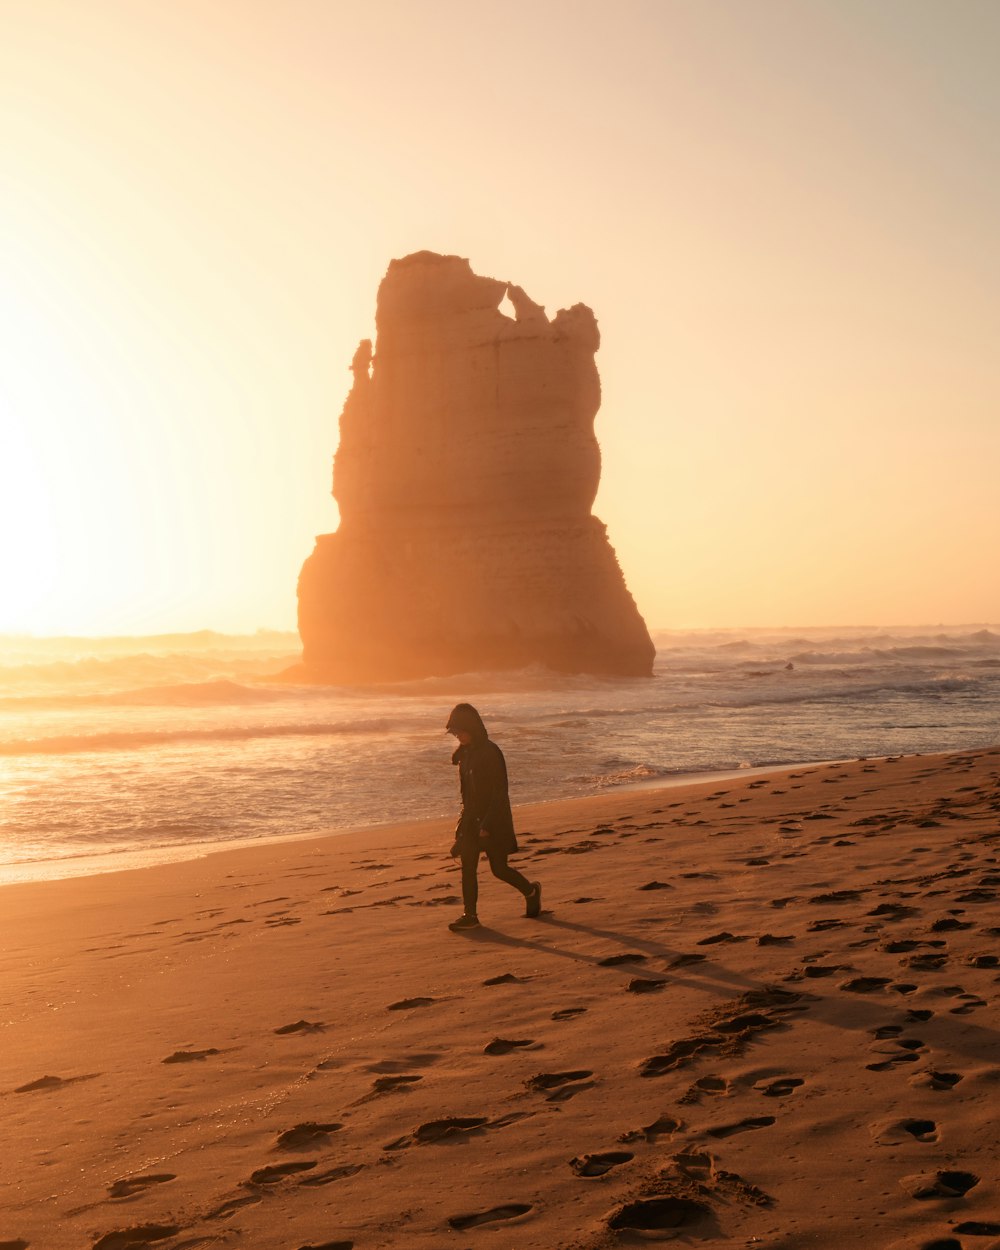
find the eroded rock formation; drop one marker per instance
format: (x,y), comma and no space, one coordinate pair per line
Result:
(465,476)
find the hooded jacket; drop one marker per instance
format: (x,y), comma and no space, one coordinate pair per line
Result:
(482,773)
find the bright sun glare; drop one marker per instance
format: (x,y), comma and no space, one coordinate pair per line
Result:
(56,475)
(33,384)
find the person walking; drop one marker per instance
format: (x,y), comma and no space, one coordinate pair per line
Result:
(486,824)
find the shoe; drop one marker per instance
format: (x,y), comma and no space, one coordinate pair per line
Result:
(464,922)
(533,901)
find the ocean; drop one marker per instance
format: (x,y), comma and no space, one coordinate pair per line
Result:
(123,752)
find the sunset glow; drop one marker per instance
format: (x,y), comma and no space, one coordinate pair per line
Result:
(597,793)
(782,214)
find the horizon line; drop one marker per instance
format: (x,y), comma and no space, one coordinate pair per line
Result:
(264,630)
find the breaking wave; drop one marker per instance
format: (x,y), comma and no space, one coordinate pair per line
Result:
(219,693)
(63,744)
(157,743)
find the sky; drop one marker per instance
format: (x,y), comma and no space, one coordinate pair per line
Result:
(782,212)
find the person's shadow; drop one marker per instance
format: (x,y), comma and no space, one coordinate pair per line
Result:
(680,969)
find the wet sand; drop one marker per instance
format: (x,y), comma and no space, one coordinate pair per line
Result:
(756,1012)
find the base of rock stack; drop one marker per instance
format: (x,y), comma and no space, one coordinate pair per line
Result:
(435,602)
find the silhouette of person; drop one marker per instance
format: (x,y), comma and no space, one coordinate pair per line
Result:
(486,824)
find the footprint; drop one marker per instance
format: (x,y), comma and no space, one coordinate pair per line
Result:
(53,1082)
(231,1207)
(644,985)
(652,1214)
(924,1130)
(905,1051)
(972,1003)
(893,911)
(504,1045)
(901,1130)
(937,1080)
(925,963)
(697,1165)
(306,1135)
(136,1184)
(666,1124)
(940,1184)
(865,985)
(711,1086)
(135,1238)
(949,925)
(680,1053)
(780,1088)
(389,1084)
(550,1080)
(450,1126)
(683,961)
(599,1164)
(814,971)
(190,1056)
(301,1026)
(331,1175)
(405,1004)
(493,1216)
(743,1126)
(752,1022)
(276,1172)
(417,1060)
(700,1167)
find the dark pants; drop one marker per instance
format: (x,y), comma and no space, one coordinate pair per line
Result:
(499,867)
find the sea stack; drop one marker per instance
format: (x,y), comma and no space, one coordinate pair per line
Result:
(465,476)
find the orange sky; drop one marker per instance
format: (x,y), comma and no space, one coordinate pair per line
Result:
(782,212)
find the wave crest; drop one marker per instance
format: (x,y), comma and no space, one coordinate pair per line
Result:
(64,744)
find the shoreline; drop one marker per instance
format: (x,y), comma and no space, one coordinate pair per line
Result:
(82,865)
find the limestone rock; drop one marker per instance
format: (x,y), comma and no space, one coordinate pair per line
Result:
(465,476)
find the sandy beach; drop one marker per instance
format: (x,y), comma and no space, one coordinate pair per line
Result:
(757,1012)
